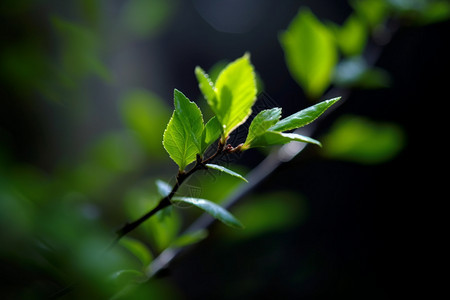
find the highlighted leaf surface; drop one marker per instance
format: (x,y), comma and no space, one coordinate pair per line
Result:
(213,209)
(227,171)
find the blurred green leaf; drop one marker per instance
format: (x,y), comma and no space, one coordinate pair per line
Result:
(270,212)
(145,114)
(226,171)
(351,36)
(138,249)
(183,135)
(213,209)
(161,231)
(164,188)
(372,12)
(123,278)
(355,72)
(146,18)
(80,51)
(310,53)
(190,238)
(359,140)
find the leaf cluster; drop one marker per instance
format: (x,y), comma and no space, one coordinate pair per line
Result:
(231,98)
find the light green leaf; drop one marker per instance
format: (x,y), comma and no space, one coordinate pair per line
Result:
(205,84)
(211,133)
(310,53)
(234,93)
(303,117)
(352,36)
(190,238)
(191,116)
(225,170)
(183,135)
(271,138)
(261,123)
(138,249)
(213,209)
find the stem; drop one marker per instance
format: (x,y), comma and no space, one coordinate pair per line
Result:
(166,201)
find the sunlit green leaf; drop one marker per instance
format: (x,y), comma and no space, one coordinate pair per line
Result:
(372,12)
(213,209)
(138,249)
(234,93)
(271,138)
(360,140)
(226,170)
(261,123)
(303,117)
(183,135)
(211,133)
(190,238)
(310,53)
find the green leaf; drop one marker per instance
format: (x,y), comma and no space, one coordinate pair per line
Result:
(183,135)
(303,117)
(234,93)
(310,53)
(190,238)
(271,138)
(138,249)
(356,139)
(261,123)
(225,170)
(191,116)
(352,36)
(213,209)
(125,277)
(211,133)
(205,84)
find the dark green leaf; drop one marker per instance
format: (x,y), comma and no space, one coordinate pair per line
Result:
(225,170)
(213,209)
(303,117)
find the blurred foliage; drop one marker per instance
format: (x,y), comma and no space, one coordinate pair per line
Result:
(357,139)
(57,222)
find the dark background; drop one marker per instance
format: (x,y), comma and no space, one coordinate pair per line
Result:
(367,230)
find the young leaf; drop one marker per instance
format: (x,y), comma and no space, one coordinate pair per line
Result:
(310,53)
(138,249)
(225,170)
(303,117)
(234,93)
(270,138)
(191,116)
(213,209)
(211,132)
(261,123)
(183,134)
(206,85)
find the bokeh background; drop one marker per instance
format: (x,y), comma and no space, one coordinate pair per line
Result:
(86,92)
